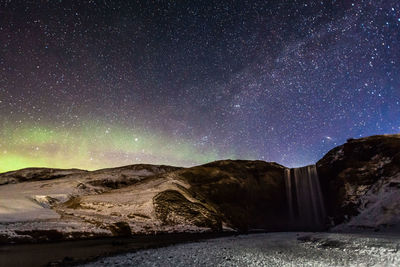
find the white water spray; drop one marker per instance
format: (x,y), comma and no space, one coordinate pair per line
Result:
(305,200)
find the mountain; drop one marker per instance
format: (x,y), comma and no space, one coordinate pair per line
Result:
(359,181)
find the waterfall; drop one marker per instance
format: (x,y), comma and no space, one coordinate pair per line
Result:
(304,197)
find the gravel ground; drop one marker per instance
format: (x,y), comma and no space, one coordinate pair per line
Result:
(273,249)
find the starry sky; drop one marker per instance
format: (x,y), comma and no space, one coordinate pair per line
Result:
(94,84)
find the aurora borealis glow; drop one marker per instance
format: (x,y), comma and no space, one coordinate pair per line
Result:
(93,147)
(96,84)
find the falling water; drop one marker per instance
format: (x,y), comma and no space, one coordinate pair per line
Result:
(305,202)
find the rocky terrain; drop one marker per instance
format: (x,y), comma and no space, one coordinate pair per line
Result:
(360,181)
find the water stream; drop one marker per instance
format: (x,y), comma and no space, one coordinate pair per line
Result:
(305,200)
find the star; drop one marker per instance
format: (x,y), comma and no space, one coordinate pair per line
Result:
(188,82)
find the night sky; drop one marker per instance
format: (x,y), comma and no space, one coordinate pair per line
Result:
(94,84)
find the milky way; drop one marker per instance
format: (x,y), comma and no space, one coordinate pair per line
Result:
(93,84)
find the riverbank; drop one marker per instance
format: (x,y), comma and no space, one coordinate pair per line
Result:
(69,253)
(272,249)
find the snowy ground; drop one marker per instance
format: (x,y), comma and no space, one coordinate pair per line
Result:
(273,249)
(39,205)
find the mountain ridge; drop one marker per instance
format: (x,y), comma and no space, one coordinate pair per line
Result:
(224,195)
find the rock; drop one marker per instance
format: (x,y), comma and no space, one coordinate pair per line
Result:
(121,229)
(359,179)
(42,235)
(173,208)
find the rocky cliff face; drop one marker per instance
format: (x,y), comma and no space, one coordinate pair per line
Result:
(246,194)
(361,183)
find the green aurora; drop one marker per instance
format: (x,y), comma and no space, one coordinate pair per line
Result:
(93,147)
